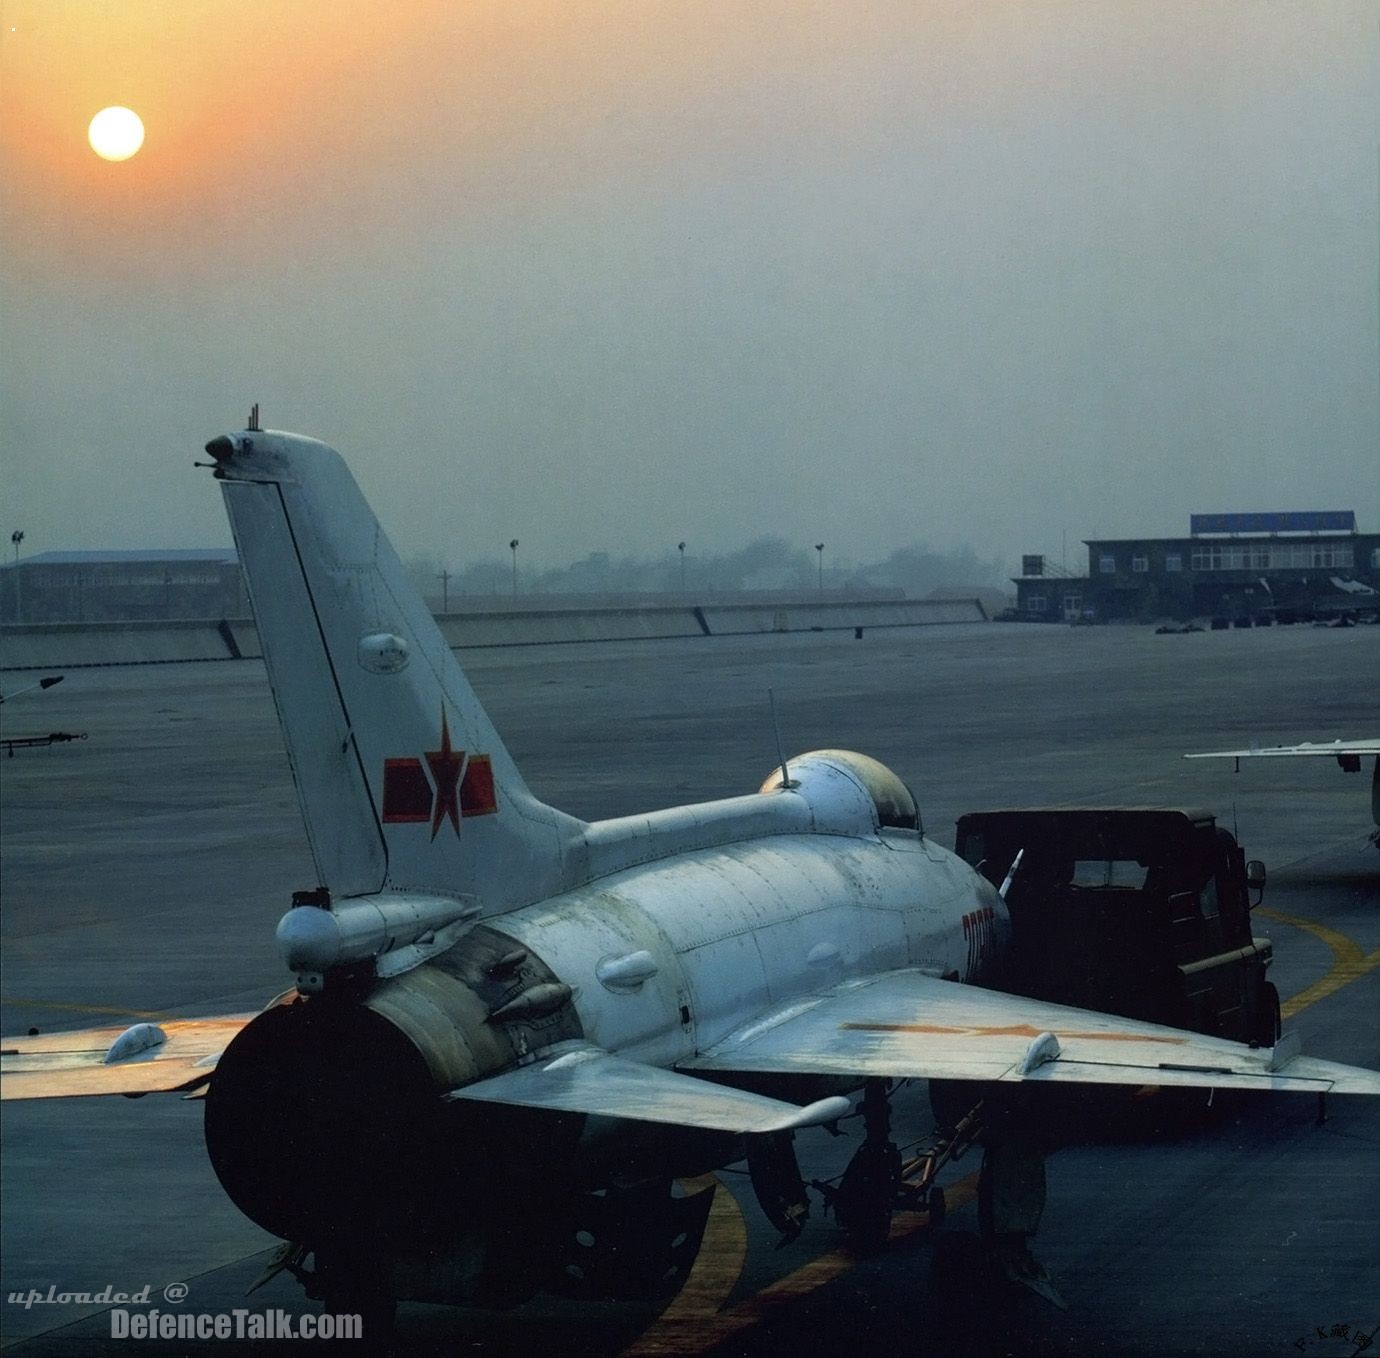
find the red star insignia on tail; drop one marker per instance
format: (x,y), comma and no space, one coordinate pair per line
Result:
(445,765)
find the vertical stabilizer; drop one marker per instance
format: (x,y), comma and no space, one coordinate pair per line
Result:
(403,781)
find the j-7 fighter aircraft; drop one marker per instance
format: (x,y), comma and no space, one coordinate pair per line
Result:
(510,1031)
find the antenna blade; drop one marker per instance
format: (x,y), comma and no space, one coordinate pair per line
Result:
(1011,874)
(780,753)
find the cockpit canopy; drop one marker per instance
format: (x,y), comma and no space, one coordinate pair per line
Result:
(892,802)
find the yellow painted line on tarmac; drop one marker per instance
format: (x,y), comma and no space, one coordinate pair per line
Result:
(156,1015)
(1349,963)
(700,1324)
(834,1264)
(711,1279)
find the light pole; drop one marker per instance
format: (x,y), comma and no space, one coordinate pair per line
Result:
(16,538)
(444,578)
(680,547)
(819,547)
(513,546)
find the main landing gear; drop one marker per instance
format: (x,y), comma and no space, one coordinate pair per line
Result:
(877,1181)
(344,1289)
(868,1192)
(1011,1185)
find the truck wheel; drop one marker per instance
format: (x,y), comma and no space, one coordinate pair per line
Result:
(1267,1020)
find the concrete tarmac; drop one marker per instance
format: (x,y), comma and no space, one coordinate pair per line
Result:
(145,868)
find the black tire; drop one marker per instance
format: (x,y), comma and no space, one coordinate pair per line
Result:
(939,1207)
(867,1195)
(1267,1019)
(377,1315)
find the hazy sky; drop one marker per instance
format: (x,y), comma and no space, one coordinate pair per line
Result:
(611,275)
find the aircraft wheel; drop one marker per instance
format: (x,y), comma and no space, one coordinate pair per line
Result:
(350,1288)
(939,1208)
(377,1315)
(868,1193)
(869,1226)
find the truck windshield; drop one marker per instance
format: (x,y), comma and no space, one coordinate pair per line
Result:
(1125,873)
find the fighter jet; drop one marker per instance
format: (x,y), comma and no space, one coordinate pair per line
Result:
(510,1032)
(1347,753)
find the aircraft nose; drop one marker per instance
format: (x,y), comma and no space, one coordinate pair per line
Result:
(221,448)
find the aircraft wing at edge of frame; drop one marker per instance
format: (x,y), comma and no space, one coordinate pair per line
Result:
(909,1024)
(1327,748)
(146,1058)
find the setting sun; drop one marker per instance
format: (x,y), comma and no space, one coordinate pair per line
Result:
(116,133)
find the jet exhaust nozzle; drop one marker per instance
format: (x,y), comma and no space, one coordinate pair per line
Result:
(325,1118)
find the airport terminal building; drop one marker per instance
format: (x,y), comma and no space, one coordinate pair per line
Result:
(103,586)
(1232,567)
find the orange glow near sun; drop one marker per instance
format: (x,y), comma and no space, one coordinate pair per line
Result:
(116,133)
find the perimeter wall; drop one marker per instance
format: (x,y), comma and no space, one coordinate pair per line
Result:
(73,644)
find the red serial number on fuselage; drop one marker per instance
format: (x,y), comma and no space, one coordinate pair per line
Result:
(980,929)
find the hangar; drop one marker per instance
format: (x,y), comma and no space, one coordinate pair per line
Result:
(1235,567)
(102,586)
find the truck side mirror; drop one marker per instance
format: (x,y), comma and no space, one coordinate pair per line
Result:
(1255,879)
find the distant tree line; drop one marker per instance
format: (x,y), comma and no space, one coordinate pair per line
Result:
(765,565)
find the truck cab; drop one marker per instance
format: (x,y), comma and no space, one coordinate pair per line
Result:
(1141,911)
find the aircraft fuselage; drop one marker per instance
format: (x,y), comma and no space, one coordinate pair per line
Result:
(653,961)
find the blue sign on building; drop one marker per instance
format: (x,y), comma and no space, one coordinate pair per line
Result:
(1299,521)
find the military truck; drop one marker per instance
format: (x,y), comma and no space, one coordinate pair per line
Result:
(1140,911)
